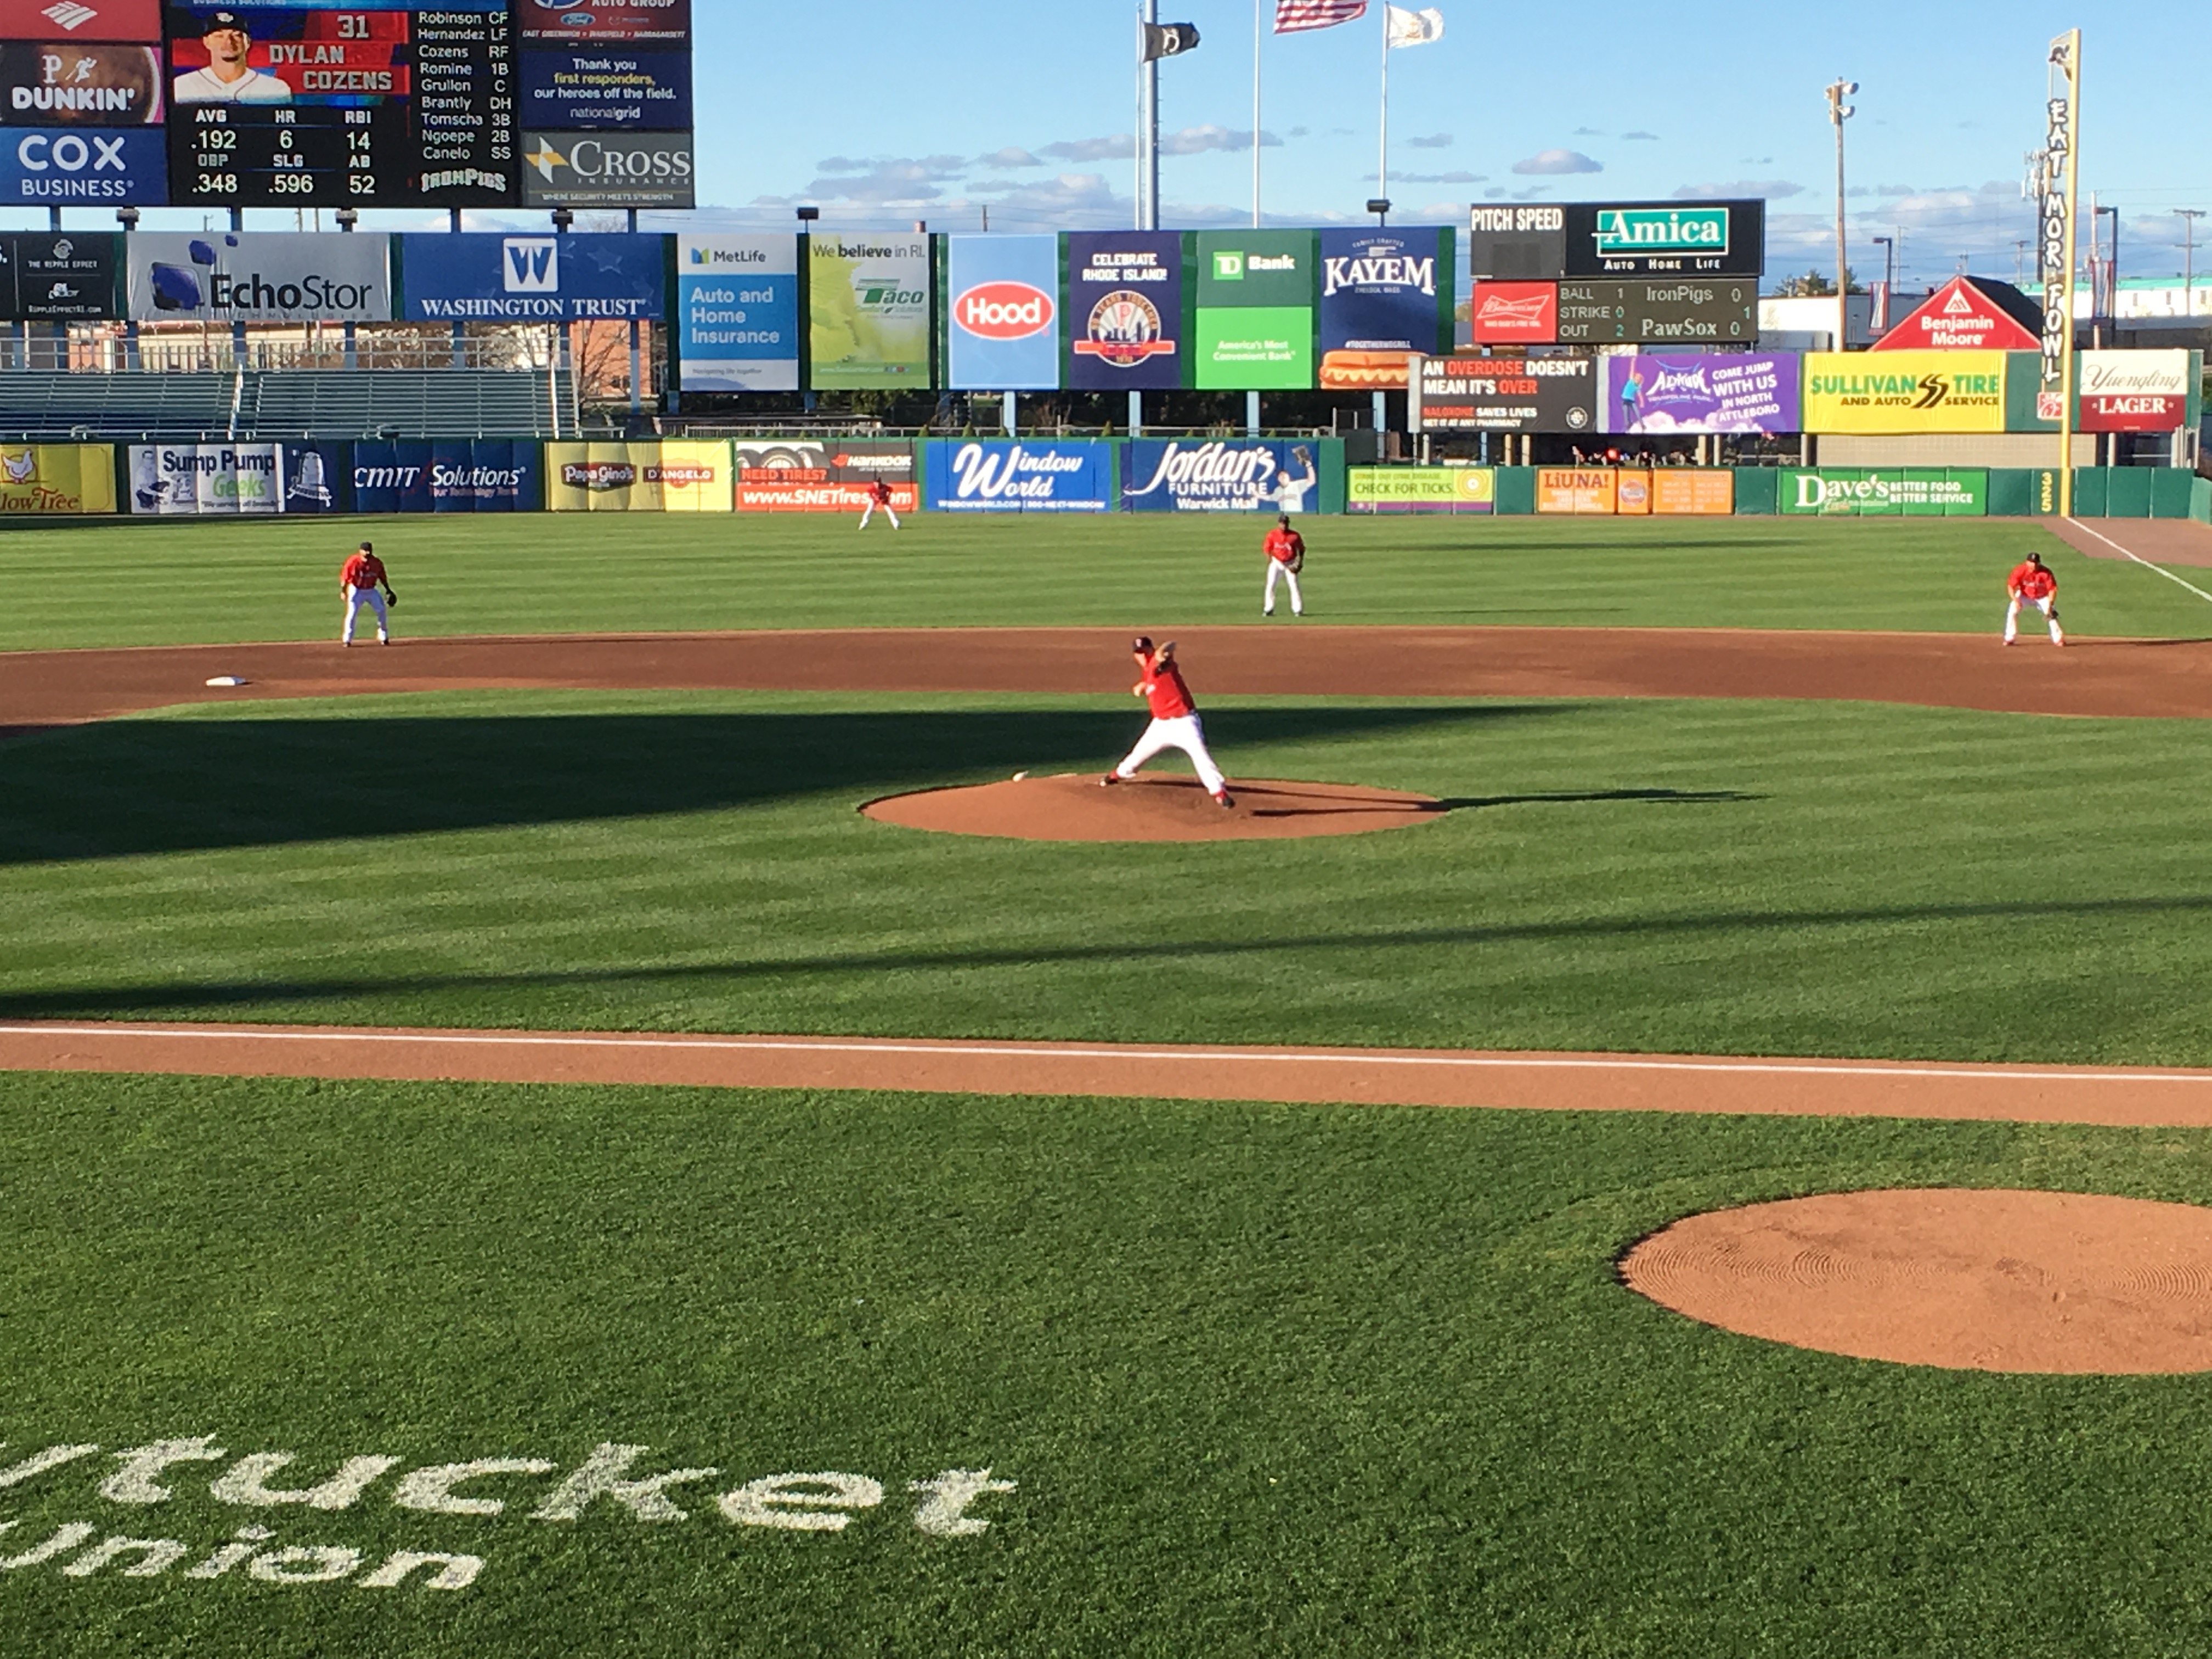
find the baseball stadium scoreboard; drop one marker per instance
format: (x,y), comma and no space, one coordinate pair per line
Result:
(318,103)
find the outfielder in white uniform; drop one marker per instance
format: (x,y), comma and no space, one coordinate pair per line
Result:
(1174,720)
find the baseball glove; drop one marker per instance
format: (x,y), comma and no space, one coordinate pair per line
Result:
(1298,563)
(391,598)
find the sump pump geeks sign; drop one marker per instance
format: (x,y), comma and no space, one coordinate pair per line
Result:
(1666,239)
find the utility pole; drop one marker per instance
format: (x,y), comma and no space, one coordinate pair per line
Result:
(1838,112)
(2019,263)
(1148,125)
(2189,218)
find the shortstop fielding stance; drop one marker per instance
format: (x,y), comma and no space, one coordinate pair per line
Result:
(357,582)
(1287,556)
(879,495)
(2035,583)
(1174,720)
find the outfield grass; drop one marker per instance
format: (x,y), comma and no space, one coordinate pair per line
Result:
(1268,1380)
(1811,878)
(155,582)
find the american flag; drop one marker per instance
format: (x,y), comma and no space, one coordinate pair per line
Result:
(1292,16)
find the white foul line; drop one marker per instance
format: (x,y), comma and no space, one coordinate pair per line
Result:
(954,1050)
(2145,563)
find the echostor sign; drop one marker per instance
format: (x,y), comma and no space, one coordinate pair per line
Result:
(259,276)
(1002,315)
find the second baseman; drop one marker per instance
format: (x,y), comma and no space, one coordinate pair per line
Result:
(1174,720)
(358,581)
(1287,556)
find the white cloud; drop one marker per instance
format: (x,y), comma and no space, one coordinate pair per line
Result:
(1588,132)
(1434,141)
(1196,141)
(1013,155)
(1118,148)
(1461,177)
(1559,161)
(1652,136)
(1772,189)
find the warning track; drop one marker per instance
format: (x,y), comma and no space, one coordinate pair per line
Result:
(1384,1077)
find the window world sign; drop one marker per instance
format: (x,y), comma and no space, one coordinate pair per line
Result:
(1665,238)
(295,1518)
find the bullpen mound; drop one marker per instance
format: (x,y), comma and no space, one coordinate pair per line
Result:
(1073,806)
(1967,1278)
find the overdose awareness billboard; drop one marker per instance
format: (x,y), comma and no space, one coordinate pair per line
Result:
(1905,393)
(737,307)
(1245,475)
(259,277)
(1125,311)
(868,310)
(1384,296)
(1715,391)
(1002,313)
(786,475)
(1505,394)
(485,277)
(1003,476)
(462,475)
(1255,310)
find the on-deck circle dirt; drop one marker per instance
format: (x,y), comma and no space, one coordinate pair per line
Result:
(1988,1280)
(1154,806)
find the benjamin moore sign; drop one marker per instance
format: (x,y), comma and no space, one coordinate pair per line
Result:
(1665,238)
(1905,391)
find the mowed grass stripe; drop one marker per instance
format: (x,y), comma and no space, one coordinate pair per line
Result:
(1763,878)
(182,581)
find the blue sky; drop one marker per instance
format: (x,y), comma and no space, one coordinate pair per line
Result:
(884,112)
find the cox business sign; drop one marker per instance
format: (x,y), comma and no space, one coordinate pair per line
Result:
(108,166)
(998,476)
(489,278)
(259,278)
(1002,326)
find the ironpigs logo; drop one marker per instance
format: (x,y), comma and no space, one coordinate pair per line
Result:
(1124,329)
(1005,310)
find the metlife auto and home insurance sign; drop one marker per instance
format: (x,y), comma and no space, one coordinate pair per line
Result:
(1002,313)
(736,303)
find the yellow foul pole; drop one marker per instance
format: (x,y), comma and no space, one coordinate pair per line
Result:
(2061,199)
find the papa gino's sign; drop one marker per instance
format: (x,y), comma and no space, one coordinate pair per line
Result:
(1905,391)
(282,1512)
(1666,239)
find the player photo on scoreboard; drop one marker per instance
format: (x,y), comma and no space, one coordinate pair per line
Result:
(300,106)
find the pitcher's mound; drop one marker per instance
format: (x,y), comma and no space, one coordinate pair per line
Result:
(1963,1277)
(1075,806)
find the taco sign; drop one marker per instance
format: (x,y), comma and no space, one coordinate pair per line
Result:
(288,1514)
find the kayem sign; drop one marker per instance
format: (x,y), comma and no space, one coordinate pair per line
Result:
(1505,394)
(2134,391)
(736,305)
(1515,313)
(259,277)
(1002,313)
(1125,311)
(1384,296)
(1960,317)
(1708,391)
(1910,492)
(1905,391)
(1665,238)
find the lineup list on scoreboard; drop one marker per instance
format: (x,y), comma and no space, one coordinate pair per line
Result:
(344,109)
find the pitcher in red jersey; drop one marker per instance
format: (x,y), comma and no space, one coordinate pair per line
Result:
(1174,720)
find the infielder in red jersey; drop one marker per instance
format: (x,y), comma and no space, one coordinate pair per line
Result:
(879,495)
(1287,556)
(362,575)
(1174,720)
(2032,583)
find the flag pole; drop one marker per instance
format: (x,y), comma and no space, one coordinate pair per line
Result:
(1255,113)
(1383,126)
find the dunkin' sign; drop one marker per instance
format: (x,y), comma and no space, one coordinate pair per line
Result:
(1004,332)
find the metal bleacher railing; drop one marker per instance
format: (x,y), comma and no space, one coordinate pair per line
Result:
(297,404)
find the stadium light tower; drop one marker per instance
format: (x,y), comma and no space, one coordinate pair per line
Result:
(1838,112)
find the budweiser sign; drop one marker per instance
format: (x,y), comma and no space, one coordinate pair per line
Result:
(1528,313)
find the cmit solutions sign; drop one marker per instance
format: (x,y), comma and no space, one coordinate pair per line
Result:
(1665,238)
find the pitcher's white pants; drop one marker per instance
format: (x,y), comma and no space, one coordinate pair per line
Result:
(1183,732)
(357,598)
(1277,568)
(870,512)
(2048,605)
